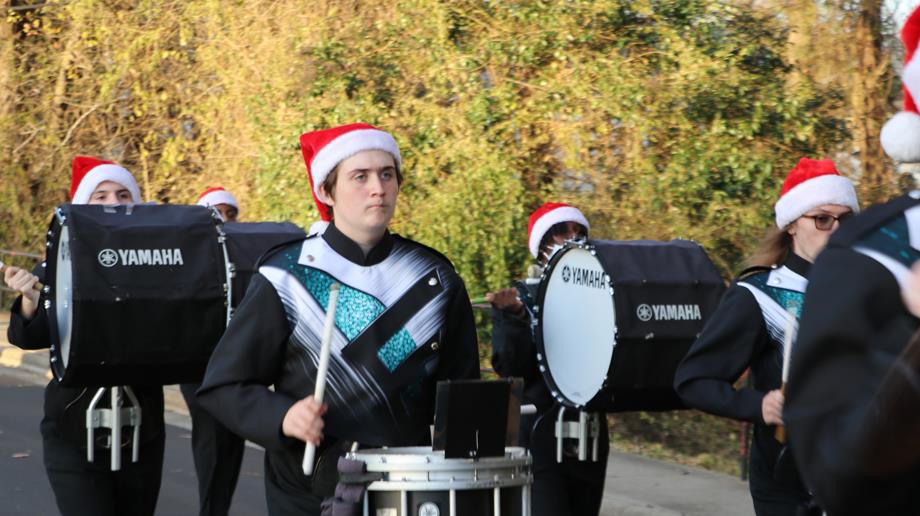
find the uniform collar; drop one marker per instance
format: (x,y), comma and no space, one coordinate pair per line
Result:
(798,265)
(352,252)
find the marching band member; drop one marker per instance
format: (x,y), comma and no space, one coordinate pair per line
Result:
(82,488)
(221,200)
(853,404)
(403,322)
(572,487)
(748,328)
(853,398)
(217,452)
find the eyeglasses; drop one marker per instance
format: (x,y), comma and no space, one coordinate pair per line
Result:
(825,221)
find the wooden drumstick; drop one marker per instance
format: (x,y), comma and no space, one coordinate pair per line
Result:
(780,432)
(38,284)
(310,452)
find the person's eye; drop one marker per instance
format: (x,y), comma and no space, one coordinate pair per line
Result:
(360,177)
(387,174)
(824,220)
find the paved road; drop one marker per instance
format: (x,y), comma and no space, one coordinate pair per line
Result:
(24,488)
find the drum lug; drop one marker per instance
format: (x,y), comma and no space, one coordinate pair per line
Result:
(47,304)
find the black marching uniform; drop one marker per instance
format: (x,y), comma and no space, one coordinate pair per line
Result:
(747,330)
(572,487)
(218,456)
(82,488)
(853,328)
(403,321)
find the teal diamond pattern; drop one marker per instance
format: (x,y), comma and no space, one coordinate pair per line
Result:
(356,310)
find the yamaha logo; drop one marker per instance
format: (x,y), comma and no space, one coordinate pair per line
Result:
(427,509)
(566,273)
(644,312)
(129,257)
(108,258)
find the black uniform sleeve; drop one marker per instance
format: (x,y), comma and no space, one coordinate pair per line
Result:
(728,344)
(461,359)
(514,352)
(248,359)
(853,326)
(29,333)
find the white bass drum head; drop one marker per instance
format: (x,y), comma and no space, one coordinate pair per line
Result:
(578,326)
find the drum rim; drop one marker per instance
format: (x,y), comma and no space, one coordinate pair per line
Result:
(55,229)
(447,485)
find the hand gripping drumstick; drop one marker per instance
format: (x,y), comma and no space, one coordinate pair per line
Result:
(38,284)
(780,432)
(310,452)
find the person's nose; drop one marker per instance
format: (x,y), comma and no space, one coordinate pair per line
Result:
(375,184)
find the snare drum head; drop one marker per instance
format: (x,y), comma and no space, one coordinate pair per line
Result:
(576,326)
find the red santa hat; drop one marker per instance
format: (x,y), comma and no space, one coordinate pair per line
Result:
(547,216)
(324,149)
(900,136)
(813,183)
(89,173)
(215,196)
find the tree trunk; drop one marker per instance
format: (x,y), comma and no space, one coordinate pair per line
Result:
(7,86)
(869,92)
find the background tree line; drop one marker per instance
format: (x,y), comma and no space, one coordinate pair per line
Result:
(659,118)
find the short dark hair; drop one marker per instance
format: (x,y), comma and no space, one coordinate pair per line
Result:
(328,184)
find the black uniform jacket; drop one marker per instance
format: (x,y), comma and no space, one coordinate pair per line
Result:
(65,407)
(736,337)
(853,326)
(514,352)
(274,337)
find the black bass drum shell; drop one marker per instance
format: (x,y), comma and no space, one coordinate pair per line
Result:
(137,295)
(615,318)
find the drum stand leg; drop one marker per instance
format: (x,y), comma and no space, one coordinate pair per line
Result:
(583,430)
(525,500)
(114,418)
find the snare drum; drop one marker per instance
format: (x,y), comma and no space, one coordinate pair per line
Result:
(135,295)
(420,482)
(615,318)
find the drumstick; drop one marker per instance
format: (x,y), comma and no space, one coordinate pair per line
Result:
(37,286)
(780,432)
(310,452)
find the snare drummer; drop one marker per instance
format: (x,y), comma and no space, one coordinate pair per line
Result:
(82,488)
(572,487)
(217,452)
(403,321)
(747,330)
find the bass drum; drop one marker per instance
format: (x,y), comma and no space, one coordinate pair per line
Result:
(615,318)
(136,295)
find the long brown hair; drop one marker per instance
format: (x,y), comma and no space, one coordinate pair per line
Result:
(773,248)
